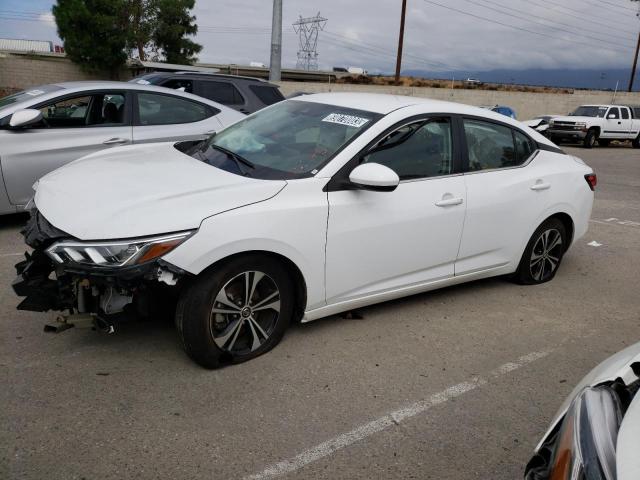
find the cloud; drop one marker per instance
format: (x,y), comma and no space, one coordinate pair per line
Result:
(456,34)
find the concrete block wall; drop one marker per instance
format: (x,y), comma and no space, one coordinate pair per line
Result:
(19,71)
(526,105)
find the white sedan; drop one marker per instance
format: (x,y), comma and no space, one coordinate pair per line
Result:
(314,206)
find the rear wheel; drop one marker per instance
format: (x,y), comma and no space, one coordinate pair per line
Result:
(543,254)
(235,312)
(590,139)
(636,142)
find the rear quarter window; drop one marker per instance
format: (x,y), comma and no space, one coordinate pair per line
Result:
(266,94)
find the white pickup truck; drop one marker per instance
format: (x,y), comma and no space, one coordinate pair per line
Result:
(597,123)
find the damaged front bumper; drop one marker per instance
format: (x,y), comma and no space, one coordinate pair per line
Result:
(106,293)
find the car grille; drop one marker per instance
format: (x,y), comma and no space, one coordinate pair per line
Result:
(563,125)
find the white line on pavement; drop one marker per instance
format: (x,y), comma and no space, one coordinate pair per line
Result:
(11,254)
(341,441)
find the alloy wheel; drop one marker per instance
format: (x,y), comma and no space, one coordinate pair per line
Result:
(245,312)
(546,254)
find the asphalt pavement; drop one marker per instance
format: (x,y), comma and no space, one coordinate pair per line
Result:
(458,383)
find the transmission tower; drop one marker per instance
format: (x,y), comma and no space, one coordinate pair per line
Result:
(307,30)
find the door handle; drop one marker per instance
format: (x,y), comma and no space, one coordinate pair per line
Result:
(448,202)
(540,186)
(115,141)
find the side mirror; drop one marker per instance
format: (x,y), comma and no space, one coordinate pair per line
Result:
(611,116)
(373,176)
(25,117)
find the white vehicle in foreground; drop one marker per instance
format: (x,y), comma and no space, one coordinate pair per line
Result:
(596,433)
(313,206)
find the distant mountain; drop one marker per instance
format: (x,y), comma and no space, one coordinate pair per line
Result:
(598,79)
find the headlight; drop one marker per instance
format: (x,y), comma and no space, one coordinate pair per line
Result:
(585,445)
(115,254)
(580,125)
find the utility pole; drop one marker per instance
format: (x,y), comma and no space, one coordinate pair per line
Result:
(635,64)
(400,41)
(635,57)
(276,42)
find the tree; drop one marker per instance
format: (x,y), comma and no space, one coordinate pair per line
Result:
(94,33)
(173,23)
(99,34)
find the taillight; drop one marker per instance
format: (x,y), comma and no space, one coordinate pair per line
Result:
(592,180)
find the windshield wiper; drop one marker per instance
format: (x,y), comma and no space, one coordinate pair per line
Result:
(235,157)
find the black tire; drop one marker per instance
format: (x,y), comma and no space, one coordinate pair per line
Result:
(536,266)
(213,339)
(604,143)
(591,138)
(636,142)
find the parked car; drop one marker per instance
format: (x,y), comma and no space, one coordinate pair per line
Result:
(591,124)
(245,94)
(501,109)
(539,124)
(472,82)
(314,206)
(596,432)
(43,128)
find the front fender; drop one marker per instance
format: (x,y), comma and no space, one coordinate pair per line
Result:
(292,224)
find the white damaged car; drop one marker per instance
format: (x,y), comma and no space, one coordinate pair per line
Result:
(596,433)
(313,206)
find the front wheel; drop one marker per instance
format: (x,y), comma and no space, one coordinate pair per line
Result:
(543,254)
(590,139)
(236,311)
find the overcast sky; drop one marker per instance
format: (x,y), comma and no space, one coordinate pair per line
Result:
(439,35)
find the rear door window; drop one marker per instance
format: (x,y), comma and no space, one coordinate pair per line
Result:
(625,113)
(221,92)
(489,145)
(524,147)
(156,109)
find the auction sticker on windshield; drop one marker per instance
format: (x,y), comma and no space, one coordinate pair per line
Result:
(348,120)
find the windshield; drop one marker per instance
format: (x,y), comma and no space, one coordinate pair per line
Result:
(25,95)
(589,111)
(291,139)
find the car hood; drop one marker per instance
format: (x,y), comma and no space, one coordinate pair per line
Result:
(616,366)
(142,190)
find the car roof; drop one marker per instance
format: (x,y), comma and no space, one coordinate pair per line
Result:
(386,103)
(372,102)
(208,75)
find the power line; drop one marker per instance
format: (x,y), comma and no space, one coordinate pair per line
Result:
(548,20)
(579,17)
(375,49)
(514,27)
(622,7)
(473,2)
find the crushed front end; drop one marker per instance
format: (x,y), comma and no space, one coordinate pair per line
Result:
(101,281)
